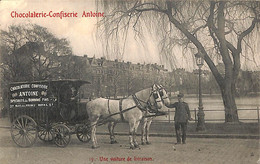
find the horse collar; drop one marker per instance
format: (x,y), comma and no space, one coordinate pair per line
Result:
(138,103)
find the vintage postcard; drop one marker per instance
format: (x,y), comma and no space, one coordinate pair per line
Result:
(129,81)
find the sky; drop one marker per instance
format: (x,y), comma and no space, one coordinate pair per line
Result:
(81,31)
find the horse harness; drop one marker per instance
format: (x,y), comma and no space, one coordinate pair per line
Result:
(138,105)
(161,88)
(120,110)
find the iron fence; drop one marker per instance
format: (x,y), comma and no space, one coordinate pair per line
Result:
(170,116)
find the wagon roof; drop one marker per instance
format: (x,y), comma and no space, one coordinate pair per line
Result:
(75,82)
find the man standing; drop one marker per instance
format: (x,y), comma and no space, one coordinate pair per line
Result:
(182,115)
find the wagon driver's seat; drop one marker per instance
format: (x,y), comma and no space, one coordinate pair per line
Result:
(68,103)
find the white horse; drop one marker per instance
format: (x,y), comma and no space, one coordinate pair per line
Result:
(146,121)
(149,116)
(131,110)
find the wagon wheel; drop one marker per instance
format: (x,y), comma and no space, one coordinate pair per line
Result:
(84,133)
(24,131)
(61,134)
(45,133)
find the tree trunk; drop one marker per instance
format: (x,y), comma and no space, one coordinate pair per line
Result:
(227,84)
(228,98)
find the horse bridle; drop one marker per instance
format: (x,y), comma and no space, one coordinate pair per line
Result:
(155,95)
(161,88)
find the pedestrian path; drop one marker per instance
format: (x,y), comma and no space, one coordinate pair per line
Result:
(162,150)
(165,129)
(212,131)
(5,122)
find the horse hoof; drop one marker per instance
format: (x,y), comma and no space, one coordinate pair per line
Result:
(95,147)
(132,147)
(113,142)
(143,143)
(136,146)
(148,143)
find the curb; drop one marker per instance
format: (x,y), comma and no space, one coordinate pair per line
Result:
(5,125)
(237,136)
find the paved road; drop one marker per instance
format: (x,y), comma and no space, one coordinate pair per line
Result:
(197,150)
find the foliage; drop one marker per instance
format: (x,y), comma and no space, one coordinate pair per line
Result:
(32,46)
(30,52)
(217,30)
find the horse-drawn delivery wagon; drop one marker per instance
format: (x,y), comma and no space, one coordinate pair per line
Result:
(52,111)
(48,110)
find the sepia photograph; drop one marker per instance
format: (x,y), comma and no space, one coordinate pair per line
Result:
(129,81)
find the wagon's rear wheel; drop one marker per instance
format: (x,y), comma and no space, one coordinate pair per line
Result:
(24,131)
(45,133)
(84,133)
(61,134)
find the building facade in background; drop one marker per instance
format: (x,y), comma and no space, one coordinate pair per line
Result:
(112,79)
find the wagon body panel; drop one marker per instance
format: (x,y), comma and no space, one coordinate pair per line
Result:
(35,99)
(44,104)
(40,99)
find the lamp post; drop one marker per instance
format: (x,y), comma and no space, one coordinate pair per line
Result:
(201,120)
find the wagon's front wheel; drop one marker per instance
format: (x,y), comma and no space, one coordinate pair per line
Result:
(45,133)
(84,133)
(24,131)
(61,135)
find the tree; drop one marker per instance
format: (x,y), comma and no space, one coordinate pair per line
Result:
(73,67)
(215,29)
(20,63)
(29,52)
(128,79)
(34,49)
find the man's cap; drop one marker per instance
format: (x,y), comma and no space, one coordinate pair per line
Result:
(180,95)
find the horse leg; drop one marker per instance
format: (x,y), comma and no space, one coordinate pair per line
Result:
(143,130)
(135,132)
(110,131)
(93,134)
(111,127)
(147,129)
(131,134)
(95,137)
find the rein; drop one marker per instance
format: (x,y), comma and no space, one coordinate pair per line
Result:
(138,105)
(120,112)
(158,113)
(160,88)
(148,103)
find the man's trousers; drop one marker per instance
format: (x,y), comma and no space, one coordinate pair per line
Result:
(181,128)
